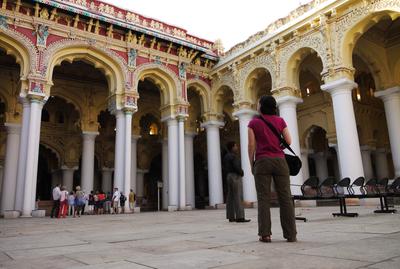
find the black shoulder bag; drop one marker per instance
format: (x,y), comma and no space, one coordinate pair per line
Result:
(293,161)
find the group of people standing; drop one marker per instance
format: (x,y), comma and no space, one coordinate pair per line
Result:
(74,203)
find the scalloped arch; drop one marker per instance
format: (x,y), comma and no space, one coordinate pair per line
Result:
(314,42)
(356,23)
(293,65)
(203,89)
(53,147)
(266,62)
(20,47)
(164,78)
(112,65)
(307,133)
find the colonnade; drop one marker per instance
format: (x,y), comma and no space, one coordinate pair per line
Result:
(20,170)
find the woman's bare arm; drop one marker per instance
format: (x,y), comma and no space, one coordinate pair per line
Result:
(286,136)
(252,145)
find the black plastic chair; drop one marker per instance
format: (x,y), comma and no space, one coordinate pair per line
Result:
(309,188)
(381,189)
(358,183)
(371,188)
(326,188)
(394,188)
(339,188)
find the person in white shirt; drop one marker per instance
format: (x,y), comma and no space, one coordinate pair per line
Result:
(56,201)
(115,200)
(63,202)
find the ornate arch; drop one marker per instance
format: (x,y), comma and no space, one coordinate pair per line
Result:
(289,56)
(71,100)
(55,148)
(164,78)
(216,103)
(22,48)
(113,65)
(379,70)
(356,22)
(307,133)
(203,89)
(266,62)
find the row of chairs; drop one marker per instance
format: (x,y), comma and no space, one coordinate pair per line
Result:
(330,188)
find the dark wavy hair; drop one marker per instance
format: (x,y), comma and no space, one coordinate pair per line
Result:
(268,105)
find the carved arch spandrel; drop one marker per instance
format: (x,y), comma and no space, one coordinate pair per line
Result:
(20,47)
(113,66)
(164,78)
(356,22)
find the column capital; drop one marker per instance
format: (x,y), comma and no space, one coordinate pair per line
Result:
(212,123)
(65,167)
(171,121)
(381,150)
(136,137)
(89,135)
(107,169)
(13,128)
(367,148)
(341,85)
(190,134)
(244,112)
(280,100)
(388,94)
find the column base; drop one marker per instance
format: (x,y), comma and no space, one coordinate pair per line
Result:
(136,209)
(172,208)
(38,213)
(11,214)
(188,208)
(220,206)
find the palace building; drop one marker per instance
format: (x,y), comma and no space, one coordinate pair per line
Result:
(101,97)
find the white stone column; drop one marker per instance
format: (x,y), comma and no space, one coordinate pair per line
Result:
(140,181)
(346,128)
(165,174)
(10,167)
(189,157)
(32,157)
(19,192)
(182,162)
(1,178)
(87,169)
(381,162)
(214,162)
(134,141)
(287,110)
(305,167)
(367,164)
(249,188)
(106,182)
(391,100)
(321,165)
(173,164)
(128,156)
(119,151)
(68,177)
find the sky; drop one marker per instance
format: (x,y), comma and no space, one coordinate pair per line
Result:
(232,21)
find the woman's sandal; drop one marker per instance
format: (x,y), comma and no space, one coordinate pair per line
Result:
(265,239)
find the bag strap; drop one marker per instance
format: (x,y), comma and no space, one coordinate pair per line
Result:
(278,135)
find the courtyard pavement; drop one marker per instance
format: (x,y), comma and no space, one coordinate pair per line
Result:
(201,239)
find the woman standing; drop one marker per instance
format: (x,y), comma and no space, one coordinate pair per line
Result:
(268,162)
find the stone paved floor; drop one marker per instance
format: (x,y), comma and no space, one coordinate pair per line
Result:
(201,239)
